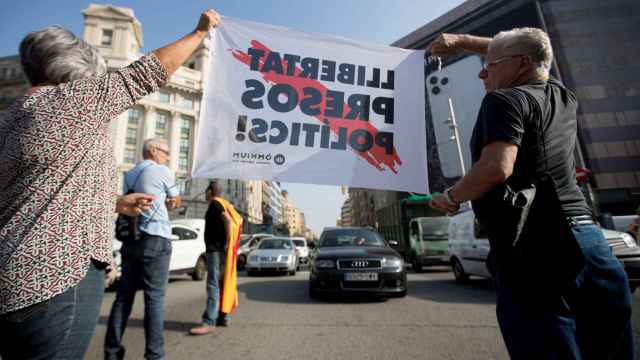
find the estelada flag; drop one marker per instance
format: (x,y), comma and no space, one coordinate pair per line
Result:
(229,291)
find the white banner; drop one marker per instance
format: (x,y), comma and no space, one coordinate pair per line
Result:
(291,106)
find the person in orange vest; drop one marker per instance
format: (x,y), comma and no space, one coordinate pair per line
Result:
(222,231)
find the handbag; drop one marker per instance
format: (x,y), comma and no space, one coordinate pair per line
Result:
(127,227)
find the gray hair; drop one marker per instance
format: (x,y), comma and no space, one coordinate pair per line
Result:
(148,144)
(55,55)
(526,41)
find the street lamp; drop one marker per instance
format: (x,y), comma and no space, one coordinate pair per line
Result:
(453,126)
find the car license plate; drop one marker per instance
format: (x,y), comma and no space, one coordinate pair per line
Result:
(361,277)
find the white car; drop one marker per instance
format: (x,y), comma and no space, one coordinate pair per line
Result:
(188,248)
(273,254)
(469,248)
(302,248)
(248,243)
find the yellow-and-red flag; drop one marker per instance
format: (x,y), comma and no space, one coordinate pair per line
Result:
(229,291)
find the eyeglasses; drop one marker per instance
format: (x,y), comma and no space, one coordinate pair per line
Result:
(486,65)
(165,151)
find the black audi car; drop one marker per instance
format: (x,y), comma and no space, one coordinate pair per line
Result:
(356,261)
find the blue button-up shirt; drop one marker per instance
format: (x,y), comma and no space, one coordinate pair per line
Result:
(157,180)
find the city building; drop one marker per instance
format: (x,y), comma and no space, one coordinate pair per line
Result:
(603,73)
(346,213)
(171,113)
(272,203)
(294,218)
(363,207)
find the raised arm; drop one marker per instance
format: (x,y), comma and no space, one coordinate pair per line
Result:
(450,44)
(175,54)
(108,95)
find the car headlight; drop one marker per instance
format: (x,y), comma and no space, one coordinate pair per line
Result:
(392,262)
(628,240)
(325,264)
(253,258)
(284,258)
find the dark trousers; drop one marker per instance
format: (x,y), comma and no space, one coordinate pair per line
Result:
(145,265)
(591,320)
(58,328)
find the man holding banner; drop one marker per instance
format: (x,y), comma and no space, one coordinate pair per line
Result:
(223,225)
(561,293)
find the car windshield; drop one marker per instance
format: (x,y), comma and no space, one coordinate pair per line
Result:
(298,243)
(351,237)
(275,244)
(435,228)
(244,239)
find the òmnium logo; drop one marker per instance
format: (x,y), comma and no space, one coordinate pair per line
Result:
(279,159)
(257,158)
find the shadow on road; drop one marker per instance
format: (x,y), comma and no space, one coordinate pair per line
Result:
(169,325)
(293,291)
(474,291)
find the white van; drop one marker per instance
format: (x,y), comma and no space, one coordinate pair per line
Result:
(468,246)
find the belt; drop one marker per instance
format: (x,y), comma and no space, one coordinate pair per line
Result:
(580,220)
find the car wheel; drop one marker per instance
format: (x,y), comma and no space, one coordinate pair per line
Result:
(242,260)
(292,272)
(417,266)
(200,270)
(458,271)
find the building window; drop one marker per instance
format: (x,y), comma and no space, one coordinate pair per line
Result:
(185,143)
(184,186)
(107,37)
(163,97)
(3,73)
(187,103)
(131,140)
(162,124)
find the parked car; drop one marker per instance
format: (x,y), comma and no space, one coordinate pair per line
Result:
(626,223)
(303,250)
(469,248)
(248,244)
(188,248)
(273,254)
(357,261)
(428,241)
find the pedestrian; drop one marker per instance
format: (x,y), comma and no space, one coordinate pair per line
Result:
(222,236)
(145,261)
(561,293)
(58,187)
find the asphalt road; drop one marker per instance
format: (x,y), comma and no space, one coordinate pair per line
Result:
(439,319)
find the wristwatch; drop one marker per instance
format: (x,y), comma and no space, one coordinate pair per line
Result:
(450,199)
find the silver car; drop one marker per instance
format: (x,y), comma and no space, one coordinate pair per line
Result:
(273,254)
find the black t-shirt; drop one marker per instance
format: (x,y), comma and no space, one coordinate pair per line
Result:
(515,115)
(215,236)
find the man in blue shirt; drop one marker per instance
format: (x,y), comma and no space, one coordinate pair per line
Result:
(145,262)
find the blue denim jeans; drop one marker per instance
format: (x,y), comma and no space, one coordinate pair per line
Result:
(215,271)
(145,265)
(58,328)
(591,320)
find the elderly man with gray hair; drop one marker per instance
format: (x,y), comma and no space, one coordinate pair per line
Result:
(145,262)
(58,186)
(561,293)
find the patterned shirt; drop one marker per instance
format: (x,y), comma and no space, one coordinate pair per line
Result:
(58,180)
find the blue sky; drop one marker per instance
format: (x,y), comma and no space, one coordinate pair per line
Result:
(163,21)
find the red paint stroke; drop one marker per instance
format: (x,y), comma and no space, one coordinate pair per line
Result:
(376,156)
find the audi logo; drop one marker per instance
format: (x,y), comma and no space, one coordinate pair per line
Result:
(359,263)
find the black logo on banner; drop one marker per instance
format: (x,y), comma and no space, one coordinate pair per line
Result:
(279,159)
